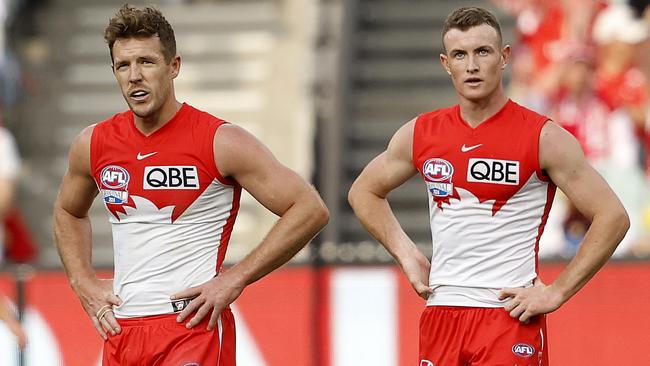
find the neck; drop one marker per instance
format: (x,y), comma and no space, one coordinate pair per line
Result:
(150,124)
(475,112)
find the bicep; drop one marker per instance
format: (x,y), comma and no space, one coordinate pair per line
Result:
(239,155)
(563,160)
(78,189)
(391,168)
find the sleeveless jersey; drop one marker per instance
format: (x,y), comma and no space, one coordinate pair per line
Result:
(170,210)
(488,200)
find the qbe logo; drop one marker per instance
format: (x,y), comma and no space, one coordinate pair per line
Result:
(523,350)
(171,177)
(438,174)
(114,177)
(493,171)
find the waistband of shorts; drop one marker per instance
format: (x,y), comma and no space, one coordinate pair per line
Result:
(467,296)
(160,319)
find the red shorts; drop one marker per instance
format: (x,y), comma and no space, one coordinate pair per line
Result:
(160,341)
(466,336)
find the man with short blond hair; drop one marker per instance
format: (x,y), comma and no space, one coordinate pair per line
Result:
(491,168)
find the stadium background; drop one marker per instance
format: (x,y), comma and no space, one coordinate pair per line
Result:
(325,84)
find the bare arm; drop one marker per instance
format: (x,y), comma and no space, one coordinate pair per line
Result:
(71,223)
(72,234)
(282,191)
(561,156)
(302,215)
(367,197)
(8,172)
(7,189)
(13,324)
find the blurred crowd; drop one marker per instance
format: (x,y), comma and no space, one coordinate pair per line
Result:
(586,65)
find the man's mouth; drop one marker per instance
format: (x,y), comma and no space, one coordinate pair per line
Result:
(138,94)
(473,81)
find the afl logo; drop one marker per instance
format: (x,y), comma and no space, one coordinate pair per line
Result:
(114,177)
(523,350)
(438,170)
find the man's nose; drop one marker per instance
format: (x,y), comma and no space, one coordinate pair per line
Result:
(472,64)
(135,73)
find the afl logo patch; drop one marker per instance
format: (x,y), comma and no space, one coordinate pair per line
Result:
(523,350)
(438,175)
(114,177)
(438,170)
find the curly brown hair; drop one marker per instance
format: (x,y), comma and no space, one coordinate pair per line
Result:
(131,22)
(468,17)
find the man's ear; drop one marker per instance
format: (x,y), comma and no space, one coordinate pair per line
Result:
(505,56)
(444,62)
(176,65)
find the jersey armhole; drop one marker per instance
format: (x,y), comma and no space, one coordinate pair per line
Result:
(217,173)
(415,149)
(541,174)
(94,150)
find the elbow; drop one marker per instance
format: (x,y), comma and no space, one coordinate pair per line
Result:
(322,214)
(353,195)
(319,215)
(618,222)
(623,220)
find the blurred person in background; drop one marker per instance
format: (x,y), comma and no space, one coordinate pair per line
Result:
(9,166)
(545,31)
(9,169)
(624,88)
(641,10)
(576,107)
(170,177)
(491,168)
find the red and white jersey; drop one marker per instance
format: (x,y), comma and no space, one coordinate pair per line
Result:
(489,201)
(170,209)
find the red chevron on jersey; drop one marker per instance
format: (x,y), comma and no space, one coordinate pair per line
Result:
(170,209)
(489,198)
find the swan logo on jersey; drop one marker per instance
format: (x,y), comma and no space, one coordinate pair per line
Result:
(438,173)
(523,350)
(115,180)
(171,177)
(493,171)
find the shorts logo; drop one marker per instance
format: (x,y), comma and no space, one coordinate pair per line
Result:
(114,177)
(523,350)
(426,363)
(493,171)
(438,175)
(179,305)
(171,177)
(114,184)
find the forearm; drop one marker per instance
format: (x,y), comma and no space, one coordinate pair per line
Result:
(295,228)
(604,234)
(378,218)
(74,244)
